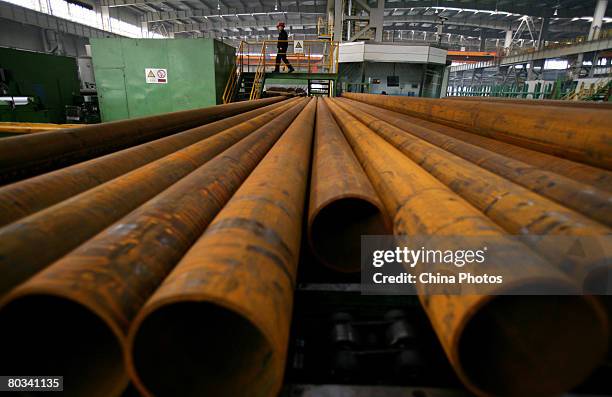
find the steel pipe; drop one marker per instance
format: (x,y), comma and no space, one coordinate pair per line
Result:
(25,156)
(219,324)
(343,204)
(95,291)
(514,208)
(25,197)
(590,201)
(484,336)
(62,227)
(536,102)
(602,179)
(577,134)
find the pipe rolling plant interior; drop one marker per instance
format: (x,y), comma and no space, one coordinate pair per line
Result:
(255,248)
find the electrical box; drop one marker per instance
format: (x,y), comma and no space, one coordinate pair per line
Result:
(143,77)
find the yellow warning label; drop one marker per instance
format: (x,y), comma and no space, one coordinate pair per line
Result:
(151,74)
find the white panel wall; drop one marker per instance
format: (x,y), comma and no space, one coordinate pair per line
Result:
(359,52)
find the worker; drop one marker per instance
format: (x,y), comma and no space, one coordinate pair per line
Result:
(282,46)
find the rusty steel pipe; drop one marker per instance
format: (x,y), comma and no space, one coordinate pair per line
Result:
(484,336)
(25,197)
(62,227)
(590,201)
(343,204)
(536,102)
(514,208)
(602,179)
(577,134)
(26,156)
(95,291)
(239,276)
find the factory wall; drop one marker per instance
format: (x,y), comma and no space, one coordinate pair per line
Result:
(32,38)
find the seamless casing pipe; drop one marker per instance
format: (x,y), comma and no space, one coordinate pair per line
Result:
(343,204)
(514,208)
(25,156)
(25,197)
(219,324)
(86,300)
(535,102)
(498,345)
(62,227)
(577,134)
(588,200)
(602,179)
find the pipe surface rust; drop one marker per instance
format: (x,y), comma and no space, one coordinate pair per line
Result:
(577,134)
(343,204)
(590,201)
(514,208)
(87,299)
(239,276)
(600,178)
(536,102)
(60,228)
(485,335)
(25,197)
(25,156)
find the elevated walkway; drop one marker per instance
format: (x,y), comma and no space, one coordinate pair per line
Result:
(315,62)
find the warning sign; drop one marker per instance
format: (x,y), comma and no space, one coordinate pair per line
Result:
(156,76)
(298,46)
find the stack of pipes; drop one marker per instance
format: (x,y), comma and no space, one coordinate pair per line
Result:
(167,247)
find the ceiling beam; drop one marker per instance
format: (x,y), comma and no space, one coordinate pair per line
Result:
(182,14)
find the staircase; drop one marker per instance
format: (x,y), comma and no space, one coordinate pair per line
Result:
(319,87)
(245,86)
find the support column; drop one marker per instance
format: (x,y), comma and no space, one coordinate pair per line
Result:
(144,29)
(103,15)
(508,39)
(376,20)
(483,42)
(338,11)
(543,32)
(600,11)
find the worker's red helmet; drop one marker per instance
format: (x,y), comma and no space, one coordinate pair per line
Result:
(280,24)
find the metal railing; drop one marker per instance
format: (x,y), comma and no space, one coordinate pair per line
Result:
(232,82)
(316,56)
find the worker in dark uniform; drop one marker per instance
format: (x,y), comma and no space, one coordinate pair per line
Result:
(282,46)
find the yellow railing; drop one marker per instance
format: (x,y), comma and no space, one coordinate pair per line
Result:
(230,87)
(585,92)
(259,75)
(232,81)
(325,28)
(318,56)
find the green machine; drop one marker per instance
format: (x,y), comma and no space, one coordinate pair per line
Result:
(36,87)
(142,77)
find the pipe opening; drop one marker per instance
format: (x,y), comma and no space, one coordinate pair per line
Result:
(337,228)
(47,335)
(201,349)
(532,345)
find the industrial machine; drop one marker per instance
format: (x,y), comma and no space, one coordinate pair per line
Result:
(171,75)
(36,87)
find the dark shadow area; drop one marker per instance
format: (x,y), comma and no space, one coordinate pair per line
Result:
(337,230)
(201,349)
(44,335)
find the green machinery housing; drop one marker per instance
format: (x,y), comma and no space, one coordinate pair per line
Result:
(141,77)
(49,81)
